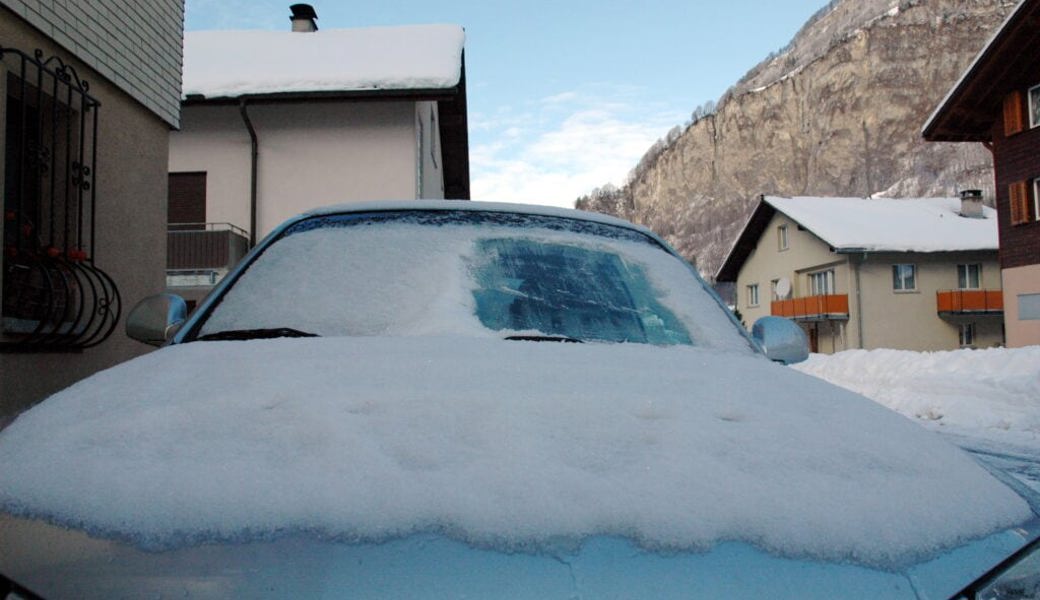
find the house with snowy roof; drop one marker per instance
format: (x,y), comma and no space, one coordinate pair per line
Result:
(912,274)
(274,123)
(997,102)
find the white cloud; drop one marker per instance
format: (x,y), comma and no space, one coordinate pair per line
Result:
(564,145)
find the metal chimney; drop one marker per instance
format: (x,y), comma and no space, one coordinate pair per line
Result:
(304,19)
(971,204)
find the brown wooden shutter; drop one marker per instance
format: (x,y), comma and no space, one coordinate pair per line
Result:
(187,199)
(1019,192)
(1014,113)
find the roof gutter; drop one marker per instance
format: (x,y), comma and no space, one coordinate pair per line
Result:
(253,160)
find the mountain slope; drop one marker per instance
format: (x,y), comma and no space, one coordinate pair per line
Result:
(837,113)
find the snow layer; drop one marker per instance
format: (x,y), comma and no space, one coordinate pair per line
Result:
(890,224)
(508,444)
(992,393)
(234,63)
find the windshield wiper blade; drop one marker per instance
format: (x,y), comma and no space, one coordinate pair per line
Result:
(255,334)
(544,338)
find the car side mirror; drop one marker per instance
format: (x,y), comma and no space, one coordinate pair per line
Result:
(782,339)
(155,319)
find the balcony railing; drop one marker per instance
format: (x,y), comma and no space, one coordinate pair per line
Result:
(813,308)
(960,302)
(201,253)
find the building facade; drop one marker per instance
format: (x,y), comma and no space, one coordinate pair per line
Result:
(852,274)
(278,123)
(89,94)
(997,103)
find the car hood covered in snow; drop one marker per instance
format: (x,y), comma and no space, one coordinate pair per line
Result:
(504,446)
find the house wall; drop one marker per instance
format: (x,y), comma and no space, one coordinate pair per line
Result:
(909,320)
(806,253)
(310,155)
(136,45)
(1017,158)
(131,211)
(1021,282)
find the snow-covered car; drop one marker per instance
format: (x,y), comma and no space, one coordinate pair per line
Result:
(461,399)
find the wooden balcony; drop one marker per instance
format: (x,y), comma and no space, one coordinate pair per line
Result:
(969,302)
(813,308)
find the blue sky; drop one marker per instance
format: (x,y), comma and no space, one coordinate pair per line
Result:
(565,96)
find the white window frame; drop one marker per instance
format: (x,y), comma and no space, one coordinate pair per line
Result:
(752,294)
(966,335)
(899,280)
(964,276)
(1036,199)
(1033,96)
(821,283)
(782,242)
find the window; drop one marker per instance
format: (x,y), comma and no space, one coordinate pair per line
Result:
(967,334)
(781,237)
(1018,194)
(969,277)
(186,204)
(904,278)
(1034,106)
(752,294)
(821,283)
(772,289)
(1029,307)
(1036,199)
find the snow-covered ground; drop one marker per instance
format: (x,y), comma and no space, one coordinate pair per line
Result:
(979,398)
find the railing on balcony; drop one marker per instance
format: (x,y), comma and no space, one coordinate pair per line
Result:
(199,254)
(813,308)
(974,302)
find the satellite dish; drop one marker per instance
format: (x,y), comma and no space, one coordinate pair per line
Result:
(783,288)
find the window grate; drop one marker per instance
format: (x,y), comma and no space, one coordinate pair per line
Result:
(54,297)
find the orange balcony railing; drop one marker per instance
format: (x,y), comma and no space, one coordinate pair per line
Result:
(830,306)
(969,301)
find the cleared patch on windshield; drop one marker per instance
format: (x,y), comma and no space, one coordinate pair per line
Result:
(569,291)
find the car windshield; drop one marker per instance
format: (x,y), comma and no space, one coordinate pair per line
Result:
(469,272)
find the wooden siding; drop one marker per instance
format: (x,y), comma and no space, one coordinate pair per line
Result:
(1016,159)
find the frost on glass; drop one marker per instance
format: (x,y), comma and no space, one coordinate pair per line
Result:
(570,291)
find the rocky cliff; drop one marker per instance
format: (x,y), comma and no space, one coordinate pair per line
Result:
(836,113)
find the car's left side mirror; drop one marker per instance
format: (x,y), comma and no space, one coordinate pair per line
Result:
(782,339)
(155,319)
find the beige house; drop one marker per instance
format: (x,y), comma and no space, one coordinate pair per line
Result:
(275,123)
(912,274)
(88,94)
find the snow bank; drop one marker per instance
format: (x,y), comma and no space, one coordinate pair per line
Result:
(506,444)
(990,392)
(233,63)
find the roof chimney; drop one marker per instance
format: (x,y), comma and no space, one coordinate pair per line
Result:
(303,18)
(971,204)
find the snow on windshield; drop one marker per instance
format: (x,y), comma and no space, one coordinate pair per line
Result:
(512,445)
(401,278)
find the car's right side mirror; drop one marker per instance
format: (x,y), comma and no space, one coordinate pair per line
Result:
(782,339)
(155,319)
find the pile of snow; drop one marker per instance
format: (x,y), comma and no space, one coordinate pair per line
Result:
(506,444)
(992,393)
(234,63)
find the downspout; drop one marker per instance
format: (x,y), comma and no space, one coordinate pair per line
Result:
(859,300)
(253,159)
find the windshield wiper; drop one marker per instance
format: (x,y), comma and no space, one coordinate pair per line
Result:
(255,334)
(544,338)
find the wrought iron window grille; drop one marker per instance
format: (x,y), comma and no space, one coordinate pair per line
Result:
(54,297)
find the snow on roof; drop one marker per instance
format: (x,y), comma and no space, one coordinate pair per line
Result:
(890,224)
(234,63)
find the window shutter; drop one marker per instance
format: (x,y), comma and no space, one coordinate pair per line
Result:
(1019,192)
(1014,113)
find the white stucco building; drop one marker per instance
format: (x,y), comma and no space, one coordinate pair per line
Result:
(274,123)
